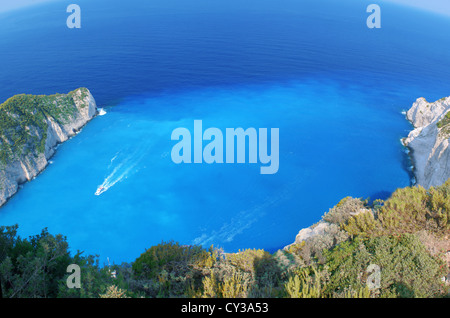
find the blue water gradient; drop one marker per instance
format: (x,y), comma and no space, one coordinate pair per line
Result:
(334,88)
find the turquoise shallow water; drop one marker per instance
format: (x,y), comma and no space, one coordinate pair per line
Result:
(335,91)
(355,151)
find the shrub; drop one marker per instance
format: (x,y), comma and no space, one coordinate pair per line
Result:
(345,209)
(363,224)
(311,250)
(304,283)
(444,121)
(114,292)
(169,256)
(31,267)
(407,269)
(414,208)
(170,269)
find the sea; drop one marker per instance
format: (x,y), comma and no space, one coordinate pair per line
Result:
(334,88)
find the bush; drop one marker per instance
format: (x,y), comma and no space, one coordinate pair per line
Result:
(413,209)
(170,256)
(304,283)
(114,292)
(407,269)
(363,224)
(344,210)
(170,269)
(311,250)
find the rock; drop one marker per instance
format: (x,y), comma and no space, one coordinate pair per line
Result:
(311,232)
(429,141)
(423,113)
(25,167)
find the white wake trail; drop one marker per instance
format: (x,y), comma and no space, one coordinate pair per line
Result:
(121,170)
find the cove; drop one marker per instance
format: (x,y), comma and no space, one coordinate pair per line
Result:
(263,64)
(330,153)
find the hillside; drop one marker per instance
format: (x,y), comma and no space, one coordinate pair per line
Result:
(405,237)
(31,126)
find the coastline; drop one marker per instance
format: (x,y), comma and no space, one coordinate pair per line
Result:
(49,162)
(428,141)
(318,229)
(26,166)
(409,152)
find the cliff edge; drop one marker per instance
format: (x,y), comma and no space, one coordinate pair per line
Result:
(429,141)
(31,126)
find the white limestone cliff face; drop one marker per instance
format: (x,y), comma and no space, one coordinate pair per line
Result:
(428,142)
(27,167)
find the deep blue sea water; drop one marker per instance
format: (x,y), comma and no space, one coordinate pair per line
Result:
(333,87)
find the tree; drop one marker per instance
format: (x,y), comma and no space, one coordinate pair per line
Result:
(32,267)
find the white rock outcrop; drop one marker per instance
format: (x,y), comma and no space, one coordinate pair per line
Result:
(311,232)
(27,167)
(429,142)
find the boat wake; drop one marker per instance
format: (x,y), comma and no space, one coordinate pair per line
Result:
(122,167)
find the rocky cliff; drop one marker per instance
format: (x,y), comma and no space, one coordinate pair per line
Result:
(30,129)
(429,141)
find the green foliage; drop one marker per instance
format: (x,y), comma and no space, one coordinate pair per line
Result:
(363,224)
(210,288)
(311,250)
(168,256)
(361,293)
(94,278)
(444,121)
(334,263)
(304,283)
(249,273)
(32,267)
(24,121)
(170,269)
(245,260)
(345,263)
(114,292)
(231,284)
(414,208)
(233,287)
(344,210)
(407,269)
(37,267)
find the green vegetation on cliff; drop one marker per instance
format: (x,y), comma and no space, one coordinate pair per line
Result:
(406,237)
(23,122)
(444,121)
